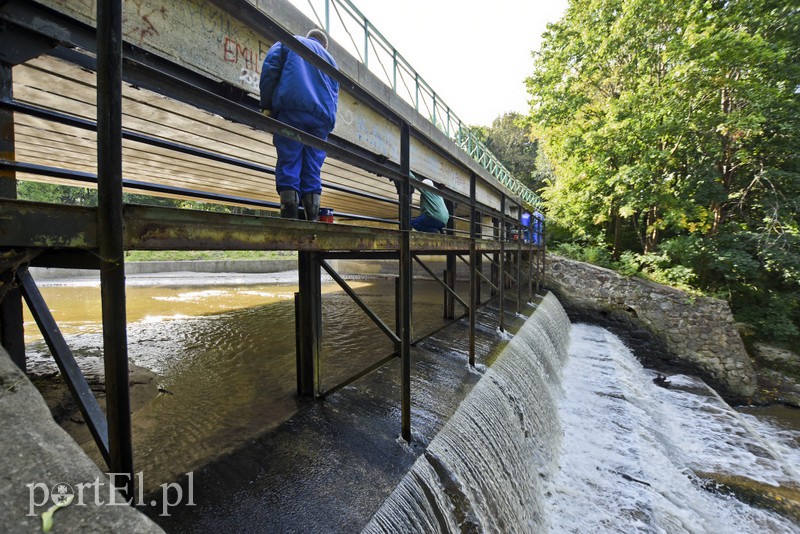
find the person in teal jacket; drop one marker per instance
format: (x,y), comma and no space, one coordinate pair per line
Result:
(299,94)
(433,213)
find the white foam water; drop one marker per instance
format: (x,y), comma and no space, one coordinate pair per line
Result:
(483,472)
(632,452)
(567,433)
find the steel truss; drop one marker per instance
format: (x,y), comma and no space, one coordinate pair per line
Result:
(97,237)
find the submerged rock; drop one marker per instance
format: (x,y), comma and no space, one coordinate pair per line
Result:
(778,373)
(783,500)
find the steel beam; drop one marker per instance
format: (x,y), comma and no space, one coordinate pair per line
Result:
(474,283)
(42,225)
(12,334)
(308,325)
(449,291)
(110,239)
(76,382)
(406,280)
(495,289)
(360,303)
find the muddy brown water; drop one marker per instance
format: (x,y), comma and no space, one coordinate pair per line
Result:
(261,459)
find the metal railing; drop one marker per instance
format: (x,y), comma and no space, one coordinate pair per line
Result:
(355,33)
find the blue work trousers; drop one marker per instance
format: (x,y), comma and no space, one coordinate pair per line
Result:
(426,223)
(298,165)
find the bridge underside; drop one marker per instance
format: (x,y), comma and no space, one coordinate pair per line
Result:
(171,131)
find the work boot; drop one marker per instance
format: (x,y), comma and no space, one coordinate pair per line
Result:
(311,206)
(288,204)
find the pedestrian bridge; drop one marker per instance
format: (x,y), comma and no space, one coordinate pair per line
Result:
(159,97)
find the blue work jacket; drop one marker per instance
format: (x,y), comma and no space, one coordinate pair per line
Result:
(290,83)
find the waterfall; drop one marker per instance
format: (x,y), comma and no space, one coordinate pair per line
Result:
(568,433)
(485,469)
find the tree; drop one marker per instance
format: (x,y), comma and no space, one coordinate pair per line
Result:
(509,138)
(674,128)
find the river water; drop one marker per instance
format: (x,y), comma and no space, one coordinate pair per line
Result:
(586,442)
(223,353)
(593,444)
(633,454)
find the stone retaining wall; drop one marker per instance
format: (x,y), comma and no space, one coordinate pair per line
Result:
(697,331)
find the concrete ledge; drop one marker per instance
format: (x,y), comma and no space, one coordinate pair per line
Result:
(194,266)
(37,456)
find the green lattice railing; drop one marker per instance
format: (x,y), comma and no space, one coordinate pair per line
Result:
(342,20)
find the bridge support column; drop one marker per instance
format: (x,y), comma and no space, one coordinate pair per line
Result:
(308,324)
(502,281)
(477,231)
(519,272)
(406,288)
(450,282)
(11,325)
(450,271)
(530,271)
(474,281)
(495,272)
(110,238)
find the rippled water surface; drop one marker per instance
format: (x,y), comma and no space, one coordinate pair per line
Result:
(226,355)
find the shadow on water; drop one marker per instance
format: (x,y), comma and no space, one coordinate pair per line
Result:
(330,464)
(262,460)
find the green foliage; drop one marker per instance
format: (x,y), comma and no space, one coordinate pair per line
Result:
(597,255)
(509,138)
(56,194)
(672,130)
(84,196)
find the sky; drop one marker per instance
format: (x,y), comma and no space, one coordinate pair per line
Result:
(475,54)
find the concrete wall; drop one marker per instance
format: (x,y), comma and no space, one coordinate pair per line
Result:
(697,332)
(37,451)
(192,266)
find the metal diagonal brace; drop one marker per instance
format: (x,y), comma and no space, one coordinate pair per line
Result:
(441,282)
(76,382)
(361,304)
(479,273)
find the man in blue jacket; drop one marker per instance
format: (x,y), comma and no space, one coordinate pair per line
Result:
(299,94)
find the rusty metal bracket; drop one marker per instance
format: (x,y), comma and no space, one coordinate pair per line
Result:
(73,376)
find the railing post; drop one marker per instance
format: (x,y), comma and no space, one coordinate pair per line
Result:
(110,238)
(12,334)
(405,279)
(366,43)
(328,17)
(416,91)
(394,70)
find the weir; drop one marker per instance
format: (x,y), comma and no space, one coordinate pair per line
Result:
(481,473)
(157,97)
